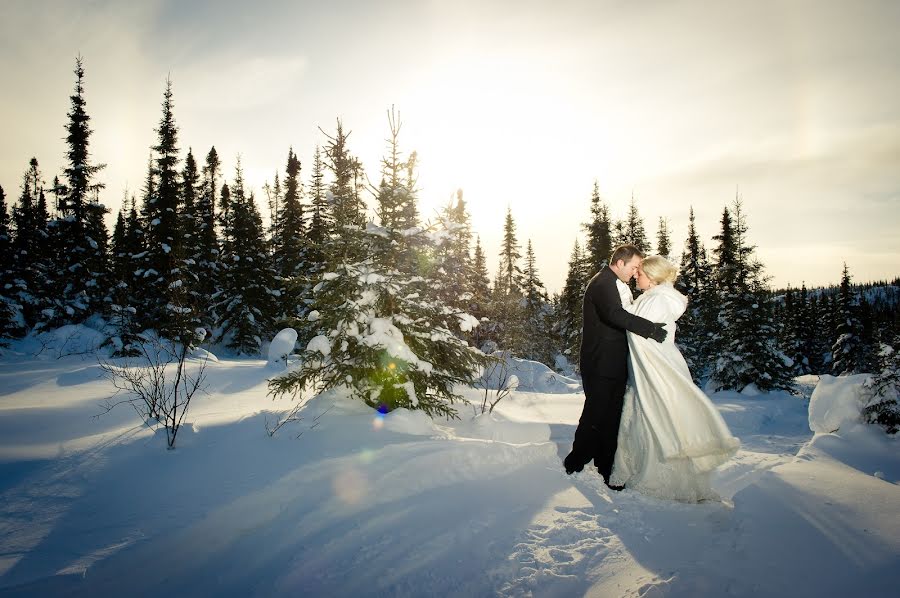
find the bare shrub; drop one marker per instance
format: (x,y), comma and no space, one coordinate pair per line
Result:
(157,384)
(496,382)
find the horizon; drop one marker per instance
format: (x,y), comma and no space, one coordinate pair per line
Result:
(517,105)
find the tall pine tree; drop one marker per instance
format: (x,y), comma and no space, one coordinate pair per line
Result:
(80,279)
(745,344)
(374,328)
(846,352)
(696,325)
(245,303)
(599,234)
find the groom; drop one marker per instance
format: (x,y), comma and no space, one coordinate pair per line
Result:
(604,361)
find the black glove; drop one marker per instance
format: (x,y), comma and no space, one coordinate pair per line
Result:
(659,333)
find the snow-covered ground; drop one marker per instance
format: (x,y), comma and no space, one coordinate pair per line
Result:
(349,503)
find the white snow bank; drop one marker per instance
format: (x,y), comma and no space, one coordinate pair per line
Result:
(826,514)
(532,376)
(836,402)
(405,421)
(74,339)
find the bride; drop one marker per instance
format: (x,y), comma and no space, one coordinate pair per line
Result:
(671,436)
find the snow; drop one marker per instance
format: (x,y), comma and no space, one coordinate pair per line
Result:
(836,402)
(345,501)
(281,347)
(321,344)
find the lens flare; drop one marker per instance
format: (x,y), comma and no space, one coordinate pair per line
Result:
(350,486)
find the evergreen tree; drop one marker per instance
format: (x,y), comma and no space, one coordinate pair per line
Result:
(452,270)
(745,343)
(275,199)
(290,251)
(663,242)
(536,324)
(344,243)
(205,249)
(570,315)
(481,295)
(166,272)
(507,303)
(883,389)
(11,322)
(634,232)
(321,222)
(846,353)
(619,234)
(244,305)
(599,234)
(126,243)
(804,329)
(80,277)
(695,326)
(786,316)
(374,328)
(32,249)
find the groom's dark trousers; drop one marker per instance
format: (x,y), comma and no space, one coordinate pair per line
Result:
(604,372)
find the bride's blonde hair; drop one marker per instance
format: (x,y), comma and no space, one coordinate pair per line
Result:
(659,269)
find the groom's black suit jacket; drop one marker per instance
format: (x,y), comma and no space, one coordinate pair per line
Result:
(604,346)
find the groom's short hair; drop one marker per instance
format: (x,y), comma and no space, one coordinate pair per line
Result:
(624,253)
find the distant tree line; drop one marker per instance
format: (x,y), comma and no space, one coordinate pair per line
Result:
(191,259)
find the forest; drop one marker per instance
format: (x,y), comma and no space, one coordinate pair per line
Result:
(193,260)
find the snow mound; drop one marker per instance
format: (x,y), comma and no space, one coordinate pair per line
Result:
(203,355)
(532,376)
(836,402)
(74,339)
(495,427)
(405,421)
(282,346)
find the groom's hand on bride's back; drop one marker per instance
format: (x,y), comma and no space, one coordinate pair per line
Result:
(659,333)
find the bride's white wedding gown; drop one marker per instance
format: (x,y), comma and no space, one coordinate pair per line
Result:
(671,436)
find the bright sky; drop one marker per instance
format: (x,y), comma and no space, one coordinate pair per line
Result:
(521,104)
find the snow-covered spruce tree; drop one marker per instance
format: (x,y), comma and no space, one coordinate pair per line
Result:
(79,282)
(785,313)
(344,243)
(126,242)
(290,251)
(375,330)
(883,389)
(846,352)
(451,268)
(634,231)
(481,294)
(803,330)
(745,345)
(205,249)
(320,219)
(538,335)
(245,303)
(696,325)
(569,314)
(663,240)
(32,249)
(274,198)
(599,243)
(165,276)
(290,244)
(11,321)
(507,306)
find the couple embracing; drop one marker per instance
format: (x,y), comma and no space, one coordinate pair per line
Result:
(645,424)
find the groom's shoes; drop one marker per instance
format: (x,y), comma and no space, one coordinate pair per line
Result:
(572,464)
(608,485)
